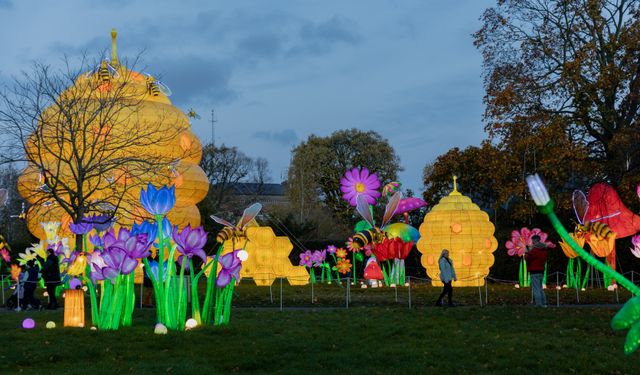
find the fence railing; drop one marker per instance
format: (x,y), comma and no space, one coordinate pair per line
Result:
(416,291)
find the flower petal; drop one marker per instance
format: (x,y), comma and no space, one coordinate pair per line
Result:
(224,277)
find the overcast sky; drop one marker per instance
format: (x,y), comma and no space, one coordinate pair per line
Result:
(277,71)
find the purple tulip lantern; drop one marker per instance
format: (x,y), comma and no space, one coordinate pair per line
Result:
(231,265)
(190,242)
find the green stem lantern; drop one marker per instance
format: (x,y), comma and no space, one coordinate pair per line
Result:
(629,316)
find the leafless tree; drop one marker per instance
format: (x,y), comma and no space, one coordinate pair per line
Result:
(224,166)
(87,136)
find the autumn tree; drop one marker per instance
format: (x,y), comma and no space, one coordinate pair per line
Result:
(479,171)
(494,175)
(318,163)
(569,67)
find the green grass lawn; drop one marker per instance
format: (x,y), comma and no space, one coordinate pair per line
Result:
(377,336)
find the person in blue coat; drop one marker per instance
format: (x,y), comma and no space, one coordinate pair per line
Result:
(447,275)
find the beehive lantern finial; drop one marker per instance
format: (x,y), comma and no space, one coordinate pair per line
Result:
(455,186)
(114,51)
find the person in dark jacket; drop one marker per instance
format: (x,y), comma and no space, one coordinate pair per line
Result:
(536,257)
(33,276)
(51,277)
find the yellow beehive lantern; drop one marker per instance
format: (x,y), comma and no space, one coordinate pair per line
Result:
(169,143)
(74,308)
(268,257)
(457,224)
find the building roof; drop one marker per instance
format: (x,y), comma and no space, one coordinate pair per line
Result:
(252,188)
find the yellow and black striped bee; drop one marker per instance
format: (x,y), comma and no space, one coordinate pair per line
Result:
(233,232)
(105,72)
(193,114)
(155,87)
(152,87)
(594,227)
(375,234)
(601,230)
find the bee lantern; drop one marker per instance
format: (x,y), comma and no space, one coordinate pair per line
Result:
(457,224)
(74,308)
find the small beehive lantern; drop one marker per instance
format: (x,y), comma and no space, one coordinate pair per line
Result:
(138,274)
(74,308)
(457,224)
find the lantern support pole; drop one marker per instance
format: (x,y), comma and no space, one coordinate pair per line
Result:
(396,288)
(409,279)
(281,294)
(347,296)
(271,292)
(486,292)
(2,286)
(558,289)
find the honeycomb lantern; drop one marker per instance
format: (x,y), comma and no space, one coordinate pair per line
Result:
(268,257)
(457,224)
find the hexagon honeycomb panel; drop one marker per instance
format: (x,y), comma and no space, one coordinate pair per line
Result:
(268,258)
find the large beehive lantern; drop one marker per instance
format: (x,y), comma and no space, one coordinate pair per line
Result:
(457,224)
(170,144)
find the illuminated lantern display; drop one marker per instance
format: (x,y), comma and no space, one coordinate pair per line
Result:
(138,275)
(268,257)
(170,149)
(457,224)
(74,308)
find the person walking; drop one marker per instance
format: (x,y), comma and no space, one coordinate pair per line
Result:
(536,258)
(31,282)
(447,275)
(51,277)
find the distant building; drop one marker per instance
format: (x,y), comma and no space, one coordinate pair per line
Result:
(245,193)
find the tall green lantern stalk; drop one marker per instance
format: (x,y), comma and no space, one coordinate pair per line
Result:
(629,316)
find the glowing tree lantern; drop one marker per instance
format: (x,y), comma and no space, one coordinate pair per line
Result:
(74,308)
(457,224)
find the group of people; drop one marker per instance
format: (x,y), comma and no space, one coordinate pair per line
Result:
(536,257)
(24,297)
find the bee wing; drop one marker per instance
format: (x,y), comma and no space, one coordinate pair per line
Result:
(580,205)
(113,71)
(164,88)
(391,208)
(363,209)
(608,216)
(249,214)
(222,221)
